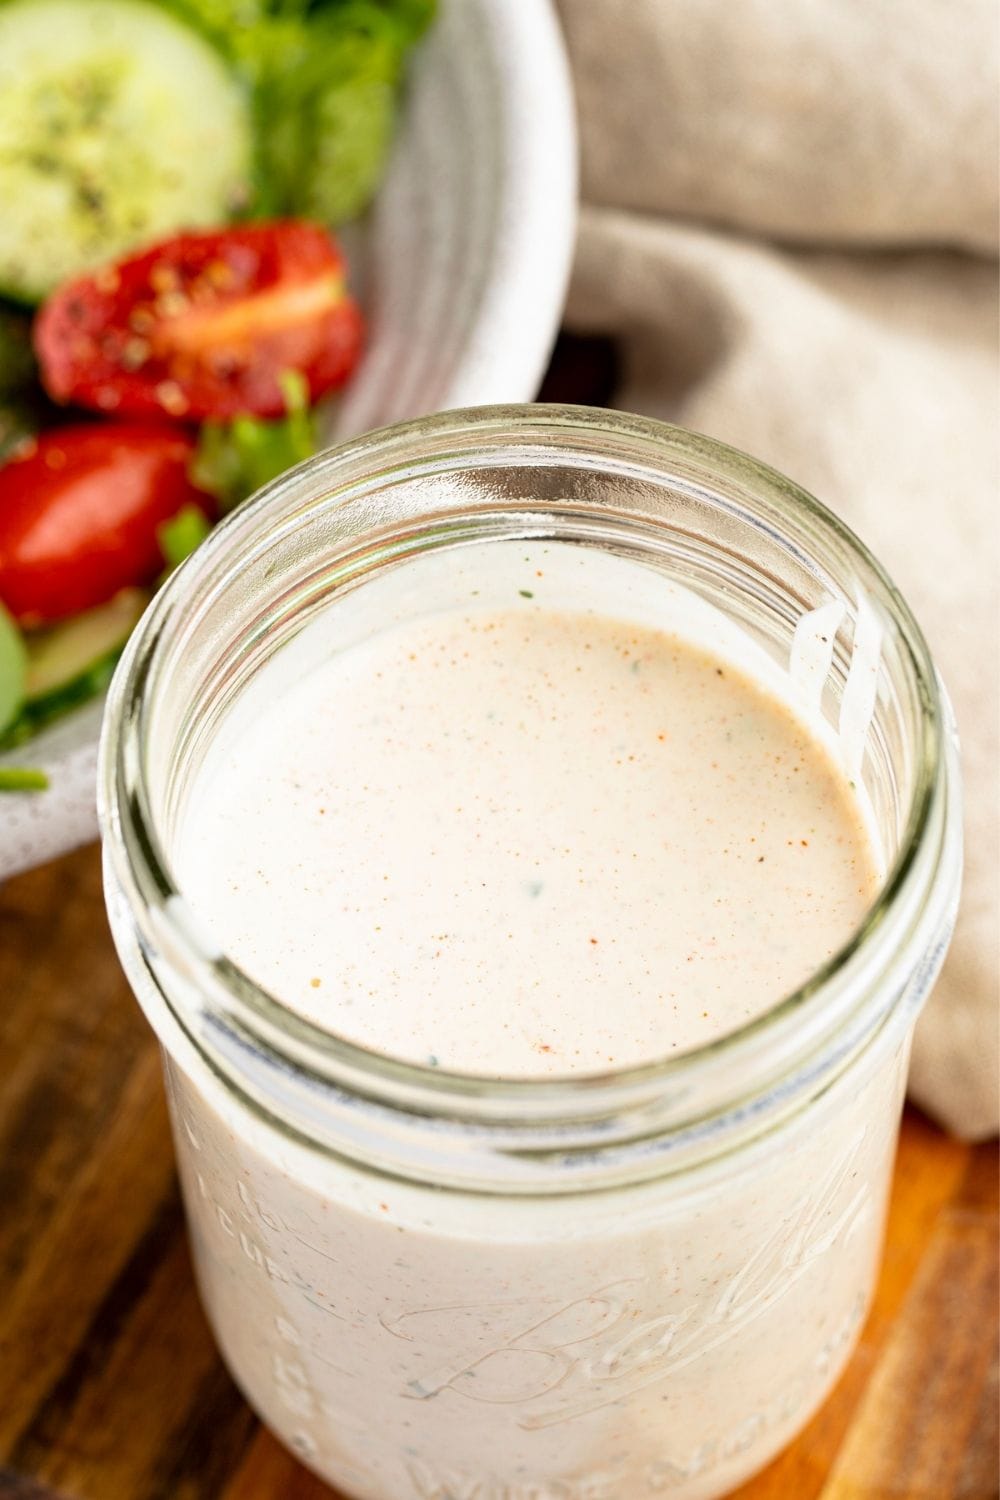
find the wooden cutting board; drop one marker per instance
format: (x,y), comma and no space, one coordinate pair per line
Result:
(110,1387)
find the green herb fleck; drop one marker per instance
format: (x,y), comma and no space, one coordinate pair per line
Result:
(526,593)
(534,888)
(22,779)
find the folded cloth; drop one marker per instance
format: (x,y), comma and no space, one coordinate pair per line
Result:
(867,122)
(868,376)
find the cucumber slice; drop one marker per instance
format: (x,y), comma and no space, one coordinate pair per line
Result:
(12,669)
(118,126)
(65,655)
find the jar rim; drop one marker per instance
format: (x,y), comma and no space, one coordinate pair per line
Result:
(787,1029)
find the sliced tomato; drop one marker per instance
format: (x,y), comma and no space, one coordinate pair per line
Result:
(79,512)
(203,325)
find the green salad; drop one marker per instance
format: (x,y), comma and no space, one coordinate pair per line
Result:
(173,300)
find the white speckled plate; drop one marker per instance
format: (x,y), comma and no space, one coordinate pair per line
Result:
(462,269)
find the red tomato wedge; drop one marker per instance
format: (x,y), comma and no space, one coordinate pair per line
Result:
(79,513)
(203,325)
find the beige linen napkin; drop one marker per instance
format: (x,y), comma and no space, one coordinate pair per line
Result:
(816,130)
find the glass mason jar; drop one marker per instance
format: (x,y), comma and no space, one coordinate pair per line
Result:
(592,1287)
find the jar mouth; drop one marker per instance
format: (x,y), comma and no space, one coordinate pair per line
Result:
(833,1008)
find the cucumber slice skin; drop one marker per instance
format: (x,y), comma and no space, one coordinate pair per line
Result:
(69,652)
(119,125)
(69,665)
(13,670)
(35,716)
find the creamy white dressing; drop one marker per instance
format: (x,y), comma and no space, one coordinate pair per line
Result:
(526,842)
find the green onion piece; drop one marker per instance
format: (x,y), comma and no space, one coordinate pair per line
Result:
(22,779)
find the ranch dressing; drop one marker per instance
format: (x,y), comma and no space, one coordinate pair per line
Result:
(527,842)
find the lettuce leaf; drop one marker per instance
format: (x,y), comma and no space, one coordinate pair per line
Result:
(331,113)
(324,76)
(236,458)
(179,536)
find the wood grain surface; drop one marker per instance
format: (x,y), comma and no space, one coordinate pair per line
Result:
(110,1387)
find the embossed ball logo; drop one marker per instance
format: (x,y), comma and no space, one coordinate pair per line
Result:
(559,1362)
